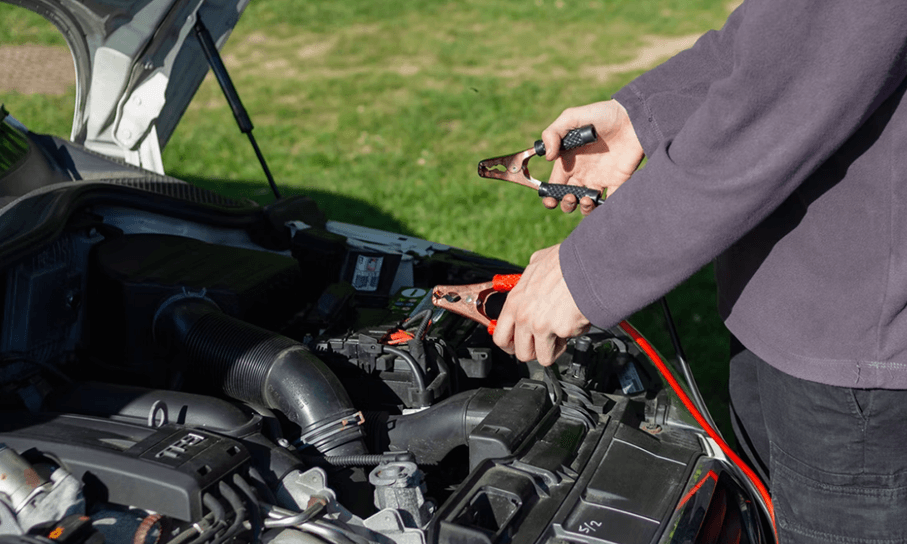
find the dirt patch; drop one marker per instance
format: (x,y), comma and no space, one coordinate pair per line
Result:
(657,49)
(314,50)
(41,69)
(256,38)
(36,69)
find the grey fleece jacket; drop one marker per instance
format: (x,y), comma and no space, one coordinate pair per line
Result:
(777,145)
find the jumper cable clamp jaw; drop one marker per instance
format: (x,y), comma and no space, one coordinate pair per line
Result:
(515,167)
(475,301)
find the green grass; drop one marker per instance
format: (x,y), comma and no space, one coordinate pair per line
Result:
(22,26)
(381,113)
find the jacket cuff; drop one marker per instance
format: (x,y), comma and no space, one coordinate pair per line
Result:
(581,286)
(643,120)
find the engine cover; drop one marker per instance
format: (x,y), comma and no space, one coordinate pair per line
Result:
(165,469)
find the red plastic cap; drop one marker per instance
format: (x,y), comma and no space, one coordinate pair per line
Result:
(505,282)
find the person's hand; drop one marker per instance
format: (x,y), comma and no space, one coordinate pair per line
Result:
(604,164)
(539,314)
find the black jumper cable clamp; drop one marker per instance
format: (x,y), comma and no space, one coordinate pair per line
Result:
(515,167)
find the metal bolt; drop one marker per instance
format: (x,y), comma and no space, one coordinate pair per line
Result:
(73,299)
(652,428)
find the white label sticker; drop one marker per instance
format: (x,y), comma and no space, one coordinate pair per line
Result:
(629,380)
(367,273)
(413,292)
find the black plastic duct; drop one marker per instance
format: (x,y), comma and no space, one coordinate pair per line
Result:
(432,433)
(261,367)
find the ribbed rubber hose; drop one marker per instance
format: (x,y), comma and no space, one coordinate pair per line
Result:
(258,366)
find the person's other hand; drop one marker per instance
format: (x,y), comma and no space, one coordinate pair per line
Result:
(602,165)
(539,314)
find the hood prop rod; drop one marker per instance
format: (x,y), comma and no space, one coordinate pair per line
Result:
(226,85)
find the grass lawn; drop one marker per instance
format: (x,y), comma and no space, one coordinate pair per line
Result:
(381,111)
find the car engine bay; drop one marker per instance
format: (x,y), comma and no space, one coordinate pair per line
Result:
(179,367)
(175,382)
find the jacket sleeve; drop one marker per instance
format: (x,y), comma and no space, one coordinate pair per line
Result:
(802,77)
(662,99)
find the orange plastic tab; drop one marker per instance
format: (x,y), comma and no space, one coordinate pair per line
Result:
(400,337)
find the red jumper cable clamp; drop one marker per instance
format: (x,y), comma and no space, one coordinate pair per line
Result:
(470,301)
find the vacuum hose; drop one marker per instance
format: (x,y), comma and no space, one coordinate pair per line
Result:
(261,367)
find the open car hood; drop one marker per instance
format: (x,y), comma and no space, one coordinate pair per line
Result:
(138,64)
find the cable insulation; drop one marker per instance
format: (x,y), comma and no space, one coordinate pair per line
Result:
(700,419)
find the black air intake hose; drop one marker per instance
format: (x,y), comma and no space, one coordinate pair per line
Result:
(255,365)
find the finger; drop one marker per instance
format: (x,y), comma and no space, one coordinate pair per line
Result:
(523,344)
(586,205)
(556,131)
(549,202)
(550,349)
(568,203)
(560,346)
(552,139)
(545,348)
(503,331)
(554,348)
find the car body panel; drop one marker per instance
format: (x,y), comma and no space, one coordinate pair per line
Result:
(138,65)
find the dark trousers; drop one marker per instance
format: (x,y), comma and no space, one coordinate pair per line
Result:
(835,458)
